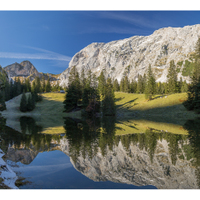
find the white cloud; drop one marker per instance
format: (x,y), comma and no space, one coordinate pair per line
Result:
(44,55)
(132,18)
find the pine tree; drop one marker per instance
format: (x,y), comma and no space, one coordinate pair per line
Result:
(140,84)
(2,101)
(193,99)
(82,79)
(122,85)
(150,85)
(74,92)
(23,103)
(27,85)
(48,86)
(133,86)
(102,83)
(126,84)
(116,85)
(30,103)
(109,99)
(38,87)
(172,78)
(43,86)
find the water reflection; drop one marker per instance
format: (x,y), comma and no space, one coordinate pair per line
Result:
(148,157)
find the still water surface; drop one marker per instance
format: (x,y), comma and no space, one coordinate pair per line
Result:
(105,154)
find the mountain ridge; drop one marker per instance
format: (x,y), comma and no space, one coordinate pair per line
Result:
(132,56)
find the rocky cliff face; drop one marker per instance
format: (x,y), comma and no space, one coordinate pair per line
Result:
(23,69)
(132,56)
(27,69)
(135,167)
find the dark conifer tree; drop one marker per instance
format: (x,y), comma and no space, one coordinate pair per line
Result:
(193,101)
(172,78)
(150,85)
(43,86)
(109,99)
(116,85)
(102,83)
(140,84)
(2,101)
(23,103)
(126,84)
(48,86)
(122,85)
(73,91)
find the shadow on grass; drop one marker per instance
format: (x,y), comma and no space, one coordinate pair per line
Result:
(126,103)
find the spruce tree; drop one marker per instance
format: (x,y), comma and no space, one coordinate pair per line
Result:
(102,83)
(74,91)
(126,84)
(116,85)
(150,85)
(109,108)
(30,102)
(2,101)
(122,85)
(172,78)
(48,86)
(43,86)
(193,99)
(23,103)
(140,84)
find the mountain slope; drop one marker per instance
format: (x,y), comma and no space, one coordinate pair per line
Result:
(24,69)
(132,56)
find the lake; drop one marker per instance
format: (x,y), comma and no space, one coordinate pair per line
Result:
(103,154)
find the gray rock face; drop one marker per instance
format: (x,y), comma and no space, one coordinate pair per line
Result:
(132,56)
(135,167)
(24,69)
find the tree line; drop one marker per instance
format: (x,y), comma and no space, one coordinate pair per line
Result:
(146,84)
(12,88)
(92,94)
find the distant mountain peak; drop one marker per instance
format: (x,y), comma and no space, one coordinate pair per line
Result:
(25,69)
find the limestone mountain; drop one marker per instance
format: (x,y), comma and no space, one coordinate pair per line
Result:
(26,69)
(132,56)
(23,69)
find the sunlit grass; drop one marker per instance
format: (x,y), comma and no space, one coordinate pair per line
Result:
(164,106)
(140,126)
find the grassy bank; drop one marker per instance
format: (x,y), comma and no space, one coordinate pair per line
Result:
(167,107)
(47,113)
(134,113)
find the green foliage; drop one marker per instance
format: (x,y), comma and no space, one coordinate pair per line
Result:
(2,102)
(23,103)
(109,100)
(172,78)
(188,68)
(193,101)
(73,91)
(150,89)
(48,86)
(116,85)
(102,83)
(30,102)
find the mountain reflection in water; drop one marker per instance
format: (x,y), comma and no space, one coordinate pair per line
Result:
(94,148)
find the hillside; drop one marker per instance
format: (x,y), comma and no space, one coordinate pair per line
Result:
(132,56)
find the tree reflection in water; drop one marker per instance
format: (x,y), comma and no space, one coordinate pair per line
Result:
(88,137)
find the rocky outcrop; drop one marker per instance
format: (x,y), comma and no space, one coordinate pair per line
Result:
(134,166)
(132,56)
(27,69)
(23,69)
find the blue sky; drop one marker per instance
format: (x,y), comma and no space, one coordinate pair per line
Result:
(49,39)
